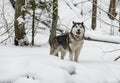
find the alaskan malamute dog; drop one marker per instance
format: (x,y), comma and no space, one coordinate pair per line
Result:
(71,42)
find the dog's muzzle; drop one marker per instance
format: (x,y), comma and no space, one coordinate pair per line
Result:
(78,32)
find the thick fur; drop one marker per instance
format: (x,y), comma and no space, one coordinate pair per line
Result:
(71,42)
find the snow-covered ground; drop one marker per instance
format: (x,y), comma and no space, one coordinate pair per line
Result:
(35,65)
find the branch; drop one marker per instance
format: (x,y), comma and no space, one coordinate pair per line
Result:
(104,11)
(80,2)
(7,37)
(112,50)
(107,22)
(92,39)
(117,58)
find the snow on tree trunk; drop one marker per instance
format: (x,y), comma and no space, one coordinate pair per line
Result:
(19,24)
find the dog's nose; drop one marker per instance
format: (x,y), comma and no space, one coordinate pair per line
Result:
(78,30)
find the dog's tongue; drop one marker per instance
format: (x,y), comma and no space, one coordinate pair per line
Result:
(78,33)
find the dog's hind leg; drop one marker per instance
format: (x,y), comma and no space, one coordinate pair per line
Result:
(56,54)
(54,51)
(63,53)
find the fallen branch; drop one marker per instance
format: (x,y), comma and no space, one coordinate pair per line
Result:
(117,58)
(91,36)
(90,39)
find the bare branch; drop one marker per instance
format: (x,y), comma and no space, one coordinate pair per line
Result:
(91,39)
(117,58)
(105,11)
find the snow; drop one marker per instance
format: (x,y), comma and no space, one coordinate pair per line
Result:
(108,38)
(35,65)
(20,20)
(34,62)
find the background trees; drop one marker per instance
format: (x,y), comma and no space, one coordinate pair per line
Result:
(23,15)
(32,17)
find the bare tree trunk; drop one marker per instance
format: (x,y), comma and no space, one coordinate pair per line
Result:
(112,13)
(119,19)
(33,30)
(94,14)
(112,9)
(33,20)
(19,24)
(54,22)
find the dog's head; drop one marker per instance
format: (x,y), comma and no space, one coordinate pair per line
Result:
(78,29)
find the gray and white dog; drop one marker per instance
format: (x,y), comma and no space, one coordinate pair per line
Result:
(71,42)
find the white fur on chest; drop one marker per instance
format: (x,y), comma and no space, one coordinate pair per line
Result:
(74,45)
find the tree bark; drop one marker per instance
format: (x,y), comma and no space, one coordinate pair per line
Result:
(54,21)
(119,19)
(33,20)
(19,26)
(94,14)
(112,10)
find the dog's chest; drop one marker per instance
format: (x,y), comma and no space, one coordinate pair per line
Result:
(75,44)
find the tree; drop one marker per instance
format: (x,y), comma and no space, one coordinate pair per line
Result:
(94,14)
(19,24)
(119,19)
(112,10)
(54,21)
(32,3)
(112,13)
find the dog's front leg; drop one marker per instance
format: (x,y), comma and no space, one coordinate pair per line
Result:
(70,55)
(77,53)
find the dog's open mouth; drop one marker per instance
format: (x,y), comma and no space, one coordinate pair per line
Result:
(78,32)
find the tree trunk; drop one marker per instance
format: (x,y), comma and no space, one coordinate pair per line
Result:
(33,30)
(112,10)
(54,21)
(33,20)
(19,24)
(94,14)
(119,19)
(112,13)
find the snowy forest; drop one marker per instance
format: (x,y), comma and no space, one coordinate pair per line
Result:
(27,28)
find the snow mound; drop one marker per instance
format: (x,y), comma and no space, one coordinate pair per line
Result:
(24,67)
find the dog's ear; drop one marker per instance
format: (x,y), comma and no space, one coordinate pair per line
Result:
(82,23)
(73,22)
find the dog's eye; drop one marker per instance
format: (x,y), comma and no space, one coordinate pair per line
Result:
(80,26)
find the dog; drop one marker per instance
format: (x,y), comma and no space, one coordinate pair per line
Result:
(71,42)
